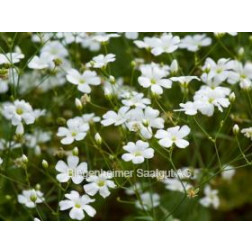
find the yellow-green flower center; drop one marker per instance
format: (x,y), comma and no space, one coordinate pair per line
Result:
(19,111)
(101,183)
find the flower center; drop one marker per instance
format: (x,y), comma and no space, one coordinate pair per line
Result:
(101,183)
(77,205)
(74,134)
(174,139)
(82,81)
(153,81)
(70,172)
(138,153)
(210,100)
(19,111)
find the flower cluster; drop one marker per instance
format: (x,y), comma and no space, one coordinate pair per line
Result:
(83,107)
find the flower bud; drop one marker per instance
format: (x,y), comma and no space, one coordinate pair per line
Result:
(85,99)
(20,129)
(78,104)
(45,164)
(24,159)
(38,187)
(112,79)
(241,52)
(98,138)
(232,97)
(1,161)
(75,151)
(236,129)
(133,63)
(174,66)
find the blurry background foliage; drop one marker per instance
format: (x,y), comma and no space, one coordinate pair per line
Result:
(235,195)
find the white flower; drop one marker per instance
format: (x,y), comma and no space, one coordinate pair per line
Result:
(241,74)
(190,108)
(90,118)
(1,161)
(10,58)
(172,136)
(219,71)
(184,80)
(194,43)
(207,98)
(247,132)
(54,50)
(78,204)
(174,184)
(100,183)
(3,86)
(137,152)
(72,170)
(146,43)
(101,60)
(76,130)
(136,100)
(133,189)
(211,198)
(30,198)
(165,44)
(83,81)
(18,112)
(228,173)
(105,37)
(111,117)
(131,35)
(153,76)
(148,201)
(39,62)
(145,120)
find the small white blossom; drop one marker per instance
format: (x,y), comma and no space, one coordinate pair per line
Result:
(154,77)
(30,198)
(101,60)
(211,198)
(137,152)
(100,183)
(165,44)
(9,58)
(247,132)
(148,201)
(71,170)
(75,130)
(174,135)
(195,42)
(79,205)
(18,112)
(83,81)
(115,118)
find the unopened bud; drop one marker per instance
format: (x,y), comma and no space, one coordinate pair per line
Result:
(75,151)
(45,164)
(236,129)
(98,138)
(85,99)
(24,159)
(20,129)
(78,104)
(241,51)
(232,97)
(133,63)
(112,79)
(174,66)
